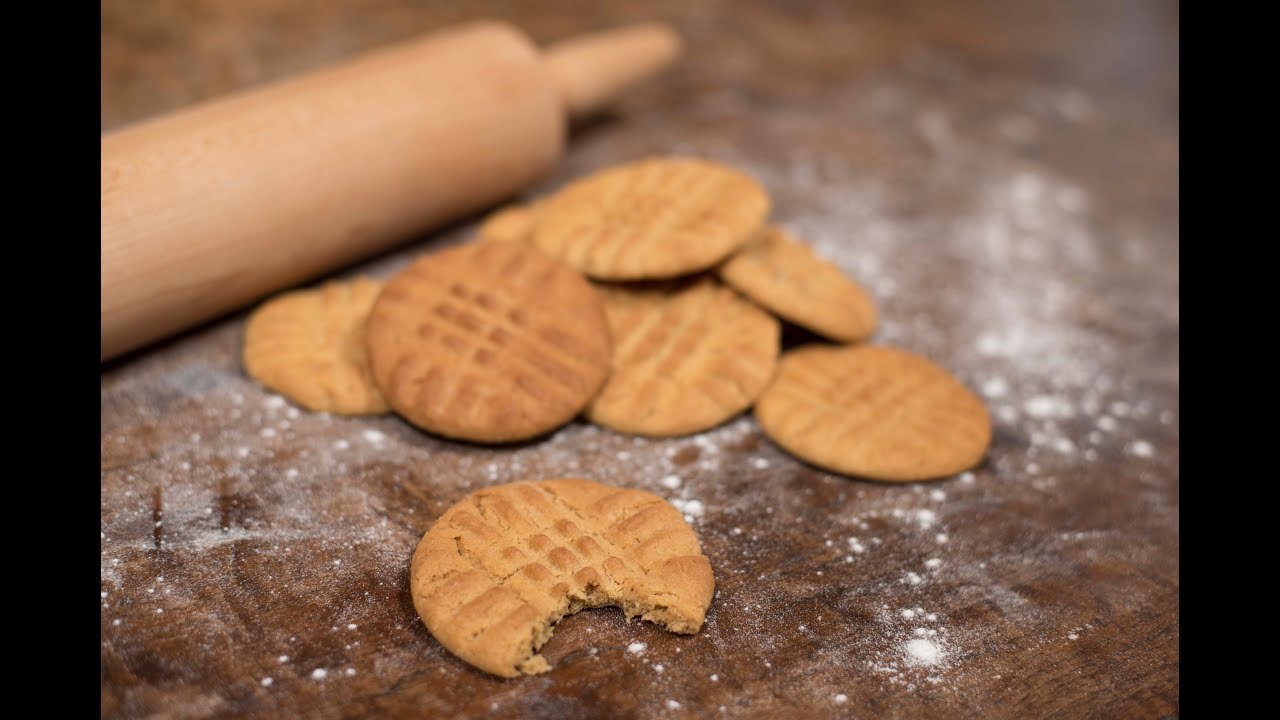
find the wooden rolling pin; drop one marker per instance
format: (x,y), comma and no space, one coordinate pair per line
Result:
(212,207)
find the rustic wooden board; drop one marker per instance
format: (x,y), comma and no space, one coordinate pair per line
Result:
(1000,175)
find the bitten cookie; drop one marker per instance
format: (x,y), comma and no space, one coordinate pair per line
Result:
(656,218)
(489,342)
(686,357)
(874,412)
(495,573)
(308,345)
(785,276)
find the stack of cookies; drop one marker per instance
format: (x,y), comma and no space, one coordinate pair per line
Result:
(646,297)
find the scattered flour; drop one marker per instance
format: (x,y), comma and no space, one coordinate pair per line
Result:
(920,651)
(690,508)
(1142,448)
(995,388)
(1047,406)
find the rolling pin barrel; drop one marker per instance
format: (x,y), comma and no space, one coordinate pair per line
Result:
(212,207)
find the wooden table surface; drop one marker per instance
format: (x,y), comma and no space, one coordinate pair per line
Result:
(1002,176)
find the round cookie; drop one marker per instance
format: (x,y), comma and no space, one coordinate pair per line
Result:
(489,342)
(651,219)
(874,412)
(686,357)
(495,573)
(785,276)
(308,345)
(513,223)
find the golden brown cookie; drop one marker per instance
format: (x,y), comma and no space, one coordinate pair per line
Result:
(785,276)
(686,357)
(875,412)
(495,573)
(513,223)
(489,342)
(656,218)
(308,345)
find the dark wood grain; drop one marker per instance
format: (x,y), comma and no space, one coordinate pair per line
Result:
(1002,177)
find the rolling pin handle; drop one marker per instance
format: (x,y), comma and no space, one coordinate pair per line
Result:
(590,70)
